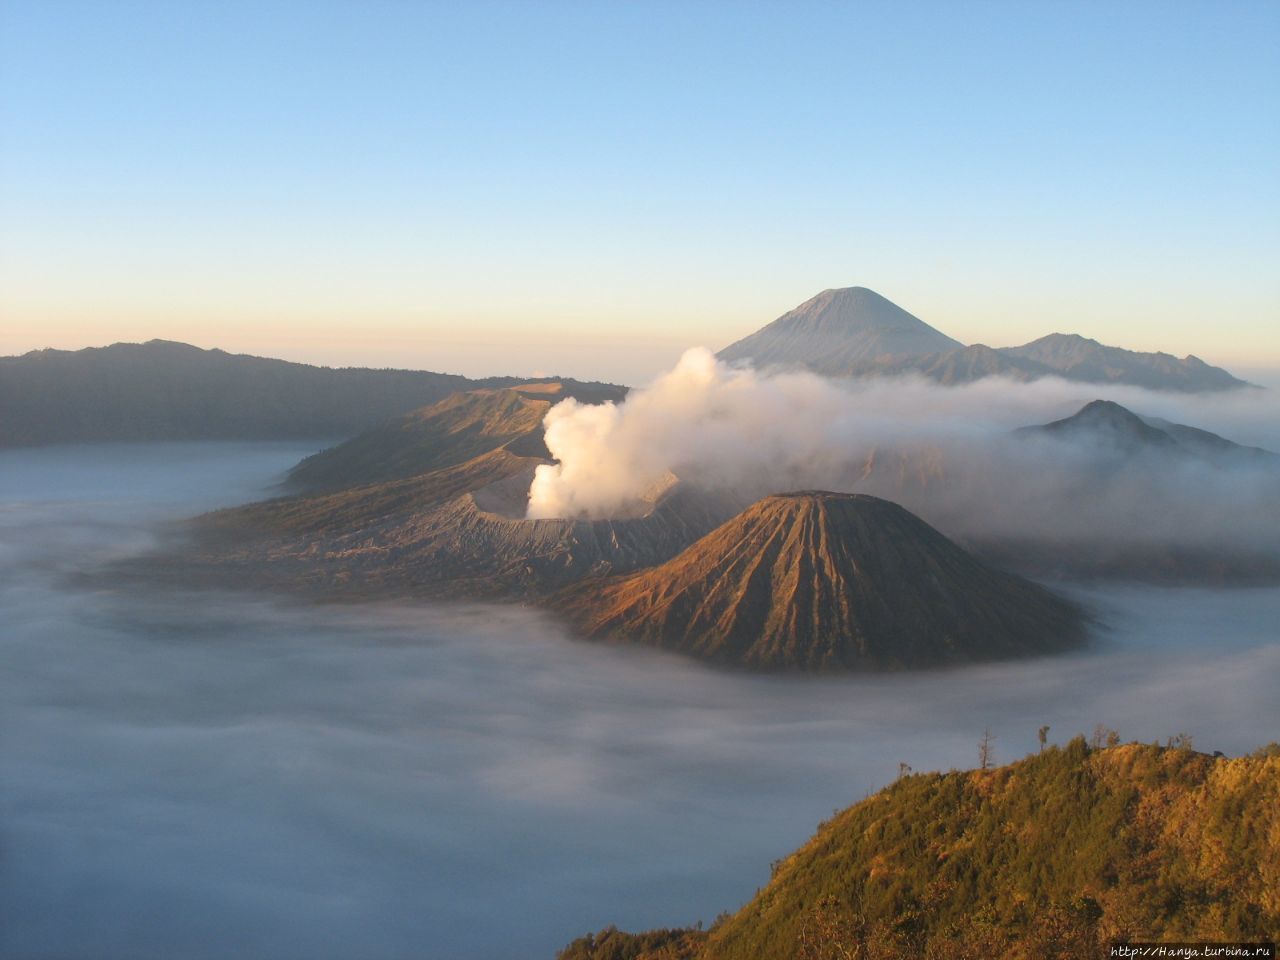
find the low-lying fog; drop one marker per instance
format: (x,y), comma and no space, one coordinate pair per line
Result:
(213,775)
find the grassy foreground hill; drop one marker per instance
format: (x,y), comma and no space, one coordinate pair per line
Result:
(1054,856)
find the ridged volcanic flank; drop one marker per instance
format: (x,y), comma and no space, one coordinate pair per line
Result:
(826,581)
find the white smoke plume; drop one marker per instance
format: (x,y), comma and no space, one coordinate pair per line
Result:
(703,421)
(947,453)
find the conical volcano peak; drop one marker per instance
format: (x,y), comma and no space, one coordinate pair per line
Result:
(1107,411)
(855,332)
(837,510)
(813,498)
(854,306)
(840,332)
(826,581)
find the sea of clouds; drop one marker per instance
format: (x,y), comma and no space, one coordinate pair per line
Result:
(205,774)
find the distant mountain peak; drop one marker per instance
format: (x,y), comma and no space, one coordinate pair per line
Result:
(838,332)
(851,296)
(1076,357)
(1107,425)
(1049,338)
(1106,408)
(854,332)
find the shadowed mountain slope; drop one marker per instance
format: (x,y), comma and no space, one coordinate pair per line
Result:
(162,390)
(452,431)
(433,504)
(458,532)
(1056,855)
(826,581)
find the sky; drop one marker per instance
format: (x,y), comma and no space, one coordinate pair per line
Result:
(588,189)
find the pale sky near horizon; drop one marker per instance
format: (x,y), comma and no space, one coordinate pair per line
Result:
(588,188)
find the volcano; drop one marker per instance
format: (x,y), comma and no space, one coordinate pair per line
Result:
(461,427)
(433,504)
(822,581)
(855,332)
(839,333)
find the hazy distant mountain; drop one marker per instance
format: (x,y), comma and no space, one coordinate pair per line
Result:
(826,581)
(1061,854)
(965,365)
(162,390)
(1106,426)
(854,332)
(1079,358)
(840,333)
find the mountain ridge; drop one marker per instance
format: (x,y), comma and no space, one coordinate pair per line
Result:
(855,332)
(165,390)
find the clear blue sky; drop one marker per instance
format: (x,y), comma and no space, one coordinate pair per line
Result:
(589,187)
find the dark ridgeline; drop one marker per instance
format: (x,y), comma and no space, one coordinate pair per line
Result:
(162,390)
(855,332)
(826,581)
